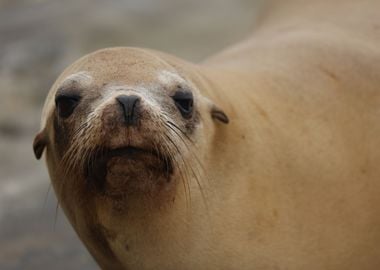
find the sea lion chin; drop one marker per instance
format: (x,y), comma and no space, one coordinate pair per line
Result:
(129,170)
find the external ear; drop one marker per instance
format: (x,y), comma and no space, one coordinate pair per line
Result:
(218,114)
(39,144)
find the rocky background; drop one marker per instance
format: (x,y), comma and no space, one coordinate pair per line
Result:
(38,38)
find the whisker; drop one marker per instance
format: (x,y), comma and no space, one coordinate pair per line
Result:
(204,172)
(56,214)
(193,172)
(183,132)
(45,200)
(184,180)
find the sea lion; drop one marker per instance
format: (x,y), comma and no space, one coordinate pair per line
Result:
(265,156)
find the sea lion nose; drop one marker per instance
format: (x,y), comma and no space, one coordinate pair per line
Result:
(129,104)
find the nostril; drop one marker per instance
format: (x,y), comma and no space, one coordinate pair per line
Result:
(129,104)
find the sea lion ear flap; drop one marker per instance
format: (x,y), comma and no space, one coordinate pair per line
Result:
(39,144)
(219,114)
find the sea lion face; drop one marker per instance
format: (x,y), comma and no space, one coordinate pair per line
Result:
(126,133)
(122,123)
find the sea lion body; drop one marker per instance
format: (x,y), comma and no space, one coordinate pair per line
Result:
(292,182)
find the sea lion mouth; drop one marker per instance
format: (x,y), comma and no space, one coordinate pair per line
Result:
(131,152)
(128,169)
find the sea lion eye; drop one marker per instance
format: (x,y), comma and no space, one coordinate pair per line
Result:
(184,102)
(66,104)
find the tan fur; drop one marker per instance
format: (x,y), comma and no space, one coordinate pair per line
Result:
(293,181)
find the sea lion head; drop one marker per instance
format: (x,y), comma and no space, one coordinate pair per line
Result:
(124,123)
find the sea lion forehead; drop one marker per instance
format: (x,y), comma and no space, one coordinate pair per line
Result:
(83,79)
(122,64)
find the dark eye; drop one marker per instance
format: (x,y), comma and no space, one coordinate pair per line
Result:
(66,104)
(184,102)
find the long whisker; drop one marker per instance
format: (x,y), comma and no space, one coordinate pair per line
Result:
(75,157)
(183,132)
(56,214)
(184,180)
(197,180)
(173,127)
